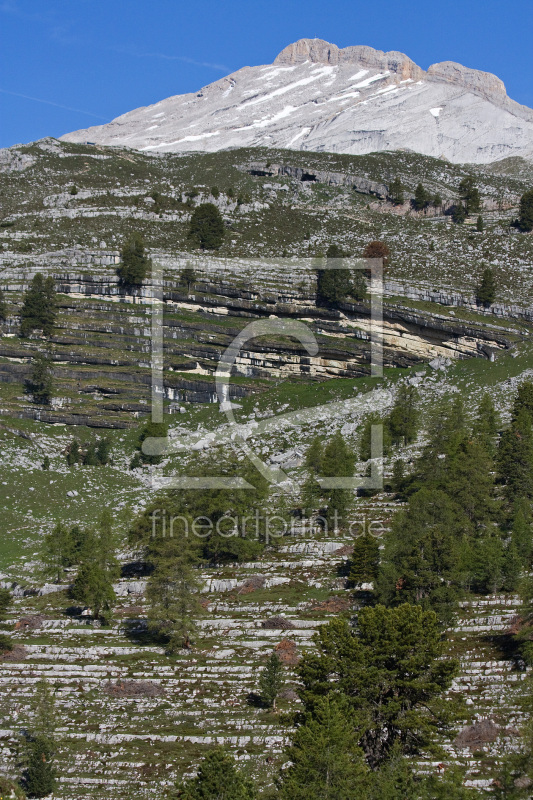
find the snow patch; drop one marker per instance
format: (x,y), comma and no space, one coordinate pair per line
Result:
(435,111)
(303,132)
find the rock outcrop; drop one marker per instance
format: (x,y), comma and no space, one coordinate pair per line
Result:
(316,96)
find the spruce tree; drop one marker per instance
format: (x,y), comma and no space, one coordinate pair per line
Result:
(480,227)
(470,195)
(421,199)
(172,595)
(218,778)
(459,213)
(396,194)
(364,562)
(326,761)
(134,263)
(338,462)
(403,418)
(486,424)
(40,383)
(57,552)
(93,588)
(486,289)
(515,457)
(525,216)
(206,229)
(188,276)
(40,778)
(271,681)
(314,455)
(523,400)
(39,306)
(3,306)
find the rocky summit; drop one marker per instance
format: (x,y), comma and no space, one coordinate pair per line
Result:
(318,97)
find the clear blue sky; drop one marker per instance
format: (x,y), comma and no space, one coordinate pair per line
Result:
(68,64)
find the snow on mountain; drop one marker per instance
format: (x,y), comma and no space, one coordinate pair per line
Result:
(318,97)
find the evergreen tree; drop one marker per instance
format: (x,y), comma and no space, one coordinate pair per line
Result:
(206,228)
(3,306)
(73,454)
(437,201)
(39,306)
(525,216)
(152,430)
(338,462)
(104,544)
(326,761)
(40,779)
(364,563)
(523,400)
(188,276)
(172,595)
(93,588)
(522,531)
(486,289)
(134,263)
(396,194)
(218,779)
(390,670)
(40,383)
(46,463)
(365,443)
(102,450)
(421,199)
(271,681)
(470,195)
(6,601)
(57,552)
(314,455)
(486,424)
(515,457)
(333,286)
(458,213)
(480,227)
(403,418)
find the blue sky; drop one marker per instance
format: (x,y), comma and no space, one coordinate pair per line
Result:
(68,64)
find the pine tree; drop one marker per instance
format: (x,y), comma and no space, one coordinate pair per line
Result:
(525,216)
(172,595)
(333,286)
(390,670)
(421,199)
(73,454)
(93,588)
(39,307)
(3,306)
(338,462)
(40,383)
(458,213)
(314,455)
(470,195)
(271,681)
(486,289)
(188,276)
(206,229)
(40,779)
(134,263)
(6,600)
(396,195)
(364,563)
(480,227)
(523,400)
(326,761)
(365,442)
(57,552)
(218,779)
(46,463)
(515,457)
(522,530)
(102,450)
(486,424)
(403,418)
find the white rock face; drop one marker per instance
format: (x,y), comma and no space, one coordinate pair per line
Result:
(318,97)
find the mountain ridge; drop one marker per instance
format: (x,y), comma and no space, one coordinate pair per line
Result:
(315,103)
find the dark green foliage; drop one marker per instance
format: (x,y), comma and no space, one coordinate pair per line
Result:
(458,213)
(365,443)
(271,681)
(188,277)
(6,600)
(338,462)
(73,190)
(515,456)
(524,400)
(486,289)
(522,530)
(421,199)
(40,383)
(333,286)
(3,306)
(73,454)
(391,672)
(396,194)
(102,451)
(6,643)
(218,778)
(525,215)
(470,195)
(486,424)
(436,201)
(364,563)
(398,476)
(57,552)
(480,227)
(39,307)
(206,228)
(215,192)
(93,588)
(152,430)
(46,463)
(134,263)
(403,418)
(314,455)
(172,594)
(326,761)
(40,778)
(136,461)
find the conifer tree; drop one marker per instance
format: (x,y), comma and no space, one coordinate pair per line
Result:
(403,418)
(206,229)
(515,457)
(40,383)
(271,681)
(364,562)
(39,306)
(188,276)
(326,761)
(396,194)
(56,552)
(93,588)
(523,400)
(172,595)
(218,778)
(3,306)
(486,289)
(486,424)
(134,263)
(525,216)
(458,213)
(314,455)
(338,462)
(421,199)
(40,778)
(480,227)
(470,195)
